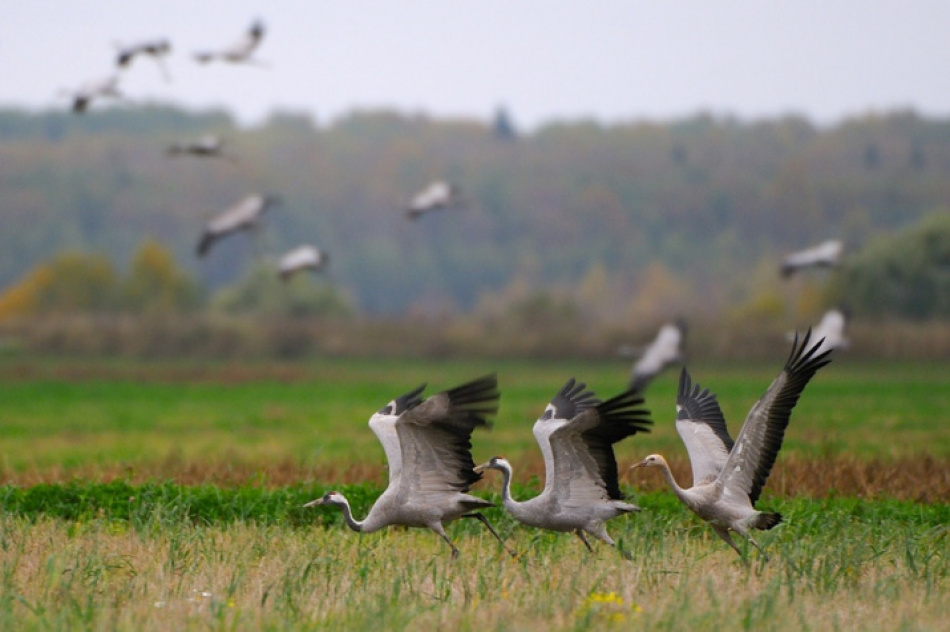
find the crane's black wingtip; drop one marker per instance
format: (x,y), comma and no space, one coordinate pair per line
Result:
(410,400)
(479,397)
(573,399)
(804,357)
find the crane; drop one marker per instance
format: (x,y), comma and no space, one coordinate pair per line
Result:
(245,215)
(437,195)
(304,257)
(240,51)
(827,254)
(831,329)
(665,350)
(581,491)
(156,49)
(104,87)
(207,146)
(729,476)
(428,448)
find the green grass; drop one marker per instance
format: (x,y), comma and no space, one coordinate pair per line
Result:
(84,556)
(157,555)
(67,416)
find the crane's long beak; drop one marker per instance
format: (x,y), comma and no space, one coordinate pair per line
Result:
(640,464)
(481,468)
(314,503)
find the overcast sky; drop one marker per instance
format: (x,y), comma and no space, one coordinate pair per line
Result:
(543,59)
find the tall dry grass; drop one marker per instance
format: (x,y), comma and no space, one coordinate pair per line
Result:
(444,336)
(102,575)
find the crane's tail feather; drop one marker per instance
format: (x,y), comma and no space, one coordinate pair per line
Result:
(767,520)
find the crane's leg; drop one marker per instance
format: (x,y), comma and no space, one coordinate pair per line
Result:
(723,533)
(583,538)
(437,527)
(600,531)
(756,545)
(485,522)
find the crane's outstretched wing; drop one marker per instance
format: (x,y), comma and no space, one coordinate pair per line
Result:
(435,438)
(585,469)
(383,425)
(701,425)
(758,443)
(569,402)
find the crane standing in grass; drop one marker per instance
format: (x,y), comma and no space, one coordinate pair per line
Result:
(428,447)
(581,491)
(729,476)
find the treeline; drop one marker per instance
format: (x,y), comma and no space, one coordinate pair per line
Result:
(606,222)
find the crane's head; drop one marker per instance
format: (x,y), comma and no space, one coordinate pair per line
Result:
(271,200)
(654,460)
(330,498)
(499,463)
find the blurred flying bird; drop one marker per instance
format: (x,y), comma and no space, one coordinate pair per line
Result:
(304,257)
(240,51)
(208,146)
(435,196)
(825,255)
(728,477)
(428,447)
(581,491)
(245,215)
(830,329)
(106,87)
(665,350)
(156,49)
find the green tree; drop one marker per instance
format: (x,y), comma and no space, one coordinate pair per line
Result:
(156,284)
(70,283)
(904,275)
(261,292)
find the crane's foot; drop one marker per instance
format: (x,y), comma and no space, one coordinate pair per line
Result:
(583,538)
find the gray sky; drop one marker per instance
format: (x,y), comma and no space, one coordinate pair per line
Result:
(544,59)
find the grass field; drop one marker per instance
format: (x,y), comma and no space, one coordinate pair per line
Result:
(152,496)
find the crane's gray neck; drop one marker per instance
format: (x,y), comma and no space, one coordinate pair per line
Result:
(351,522)
(506,500)
(679,491)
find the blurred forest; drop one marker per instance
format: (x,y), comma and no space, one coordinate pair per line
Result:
(575,225)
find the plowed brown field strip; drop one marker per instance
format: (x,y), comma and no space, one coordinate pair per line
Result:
(924,479)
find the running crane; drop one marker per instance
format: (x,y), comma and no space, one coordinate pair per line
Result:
(581,491)
(729,476)
(428,447)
